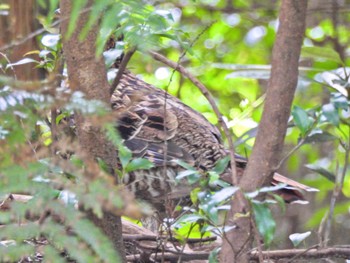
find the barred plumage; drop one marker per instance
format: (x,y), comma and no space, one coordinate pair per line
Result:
(160,128)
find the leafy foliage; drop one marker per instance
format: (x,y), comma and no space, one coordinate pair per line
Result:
(231,57)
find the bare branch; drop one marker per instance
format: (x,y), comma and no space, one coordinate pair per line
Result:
(136,237)
(330,252)
(158,257)
(121,69)
(336,192)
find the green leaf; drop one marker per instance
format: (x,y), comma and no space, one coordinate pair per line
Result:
(319,136)
(301,119)
(223,194)
(111,55)
(125,155)
(221,165)
(214,255)
(89,233)
(320,170)
(185,165)
(191,218)
(185,173)
(51,40)
(52,254)
(57,235)
(16,253)
(297,238)
(339,101)
(138,164)
(265,189)
(334,80)
(281,202)
(331,113)
(264,221)
(194,195)
(324,53)
(77,7)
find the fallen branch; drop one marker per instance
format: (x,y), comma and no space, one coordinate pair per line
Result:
(170,256)
(141,237)
(330,252)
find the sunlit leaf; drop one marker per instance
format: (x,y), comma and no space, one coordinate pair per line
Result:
(224,193)
(297,238)
(50,40)
(22,62)
(331,113)
(317,52)
(191,218)
(333,80)
(185,174)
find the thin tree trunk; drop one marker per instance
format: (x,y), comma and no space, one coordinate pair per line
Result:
(18,24)
(87,74)
(272,129)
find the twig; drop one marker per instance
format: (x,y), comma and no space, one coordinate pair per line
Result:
(141,237)
(184,245)
(53,128)
(257,238)
(336,192)
(300,143)
(171,256)
(121,69)
(302,253)
(9,63)
(295,148)
(335,252)
(32,147)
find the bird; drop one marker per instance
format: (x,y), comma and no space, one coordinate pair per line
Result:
(160,128)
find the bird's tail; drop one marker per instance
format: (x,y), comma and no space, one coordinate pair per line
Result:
(292,192)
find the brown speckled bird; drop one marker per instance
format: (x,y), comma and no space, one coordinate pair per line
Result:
(159,127)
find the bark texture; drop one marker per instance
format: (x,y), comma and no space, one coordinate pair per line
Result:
(17,25)
(272,129)
(87,74)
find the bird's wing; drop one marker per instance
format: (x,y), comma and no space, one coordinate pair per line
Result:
(148,123)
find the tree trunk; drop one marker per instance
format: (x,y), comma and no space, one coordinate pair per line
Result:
(272,129)
(87,74)
(17,25)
